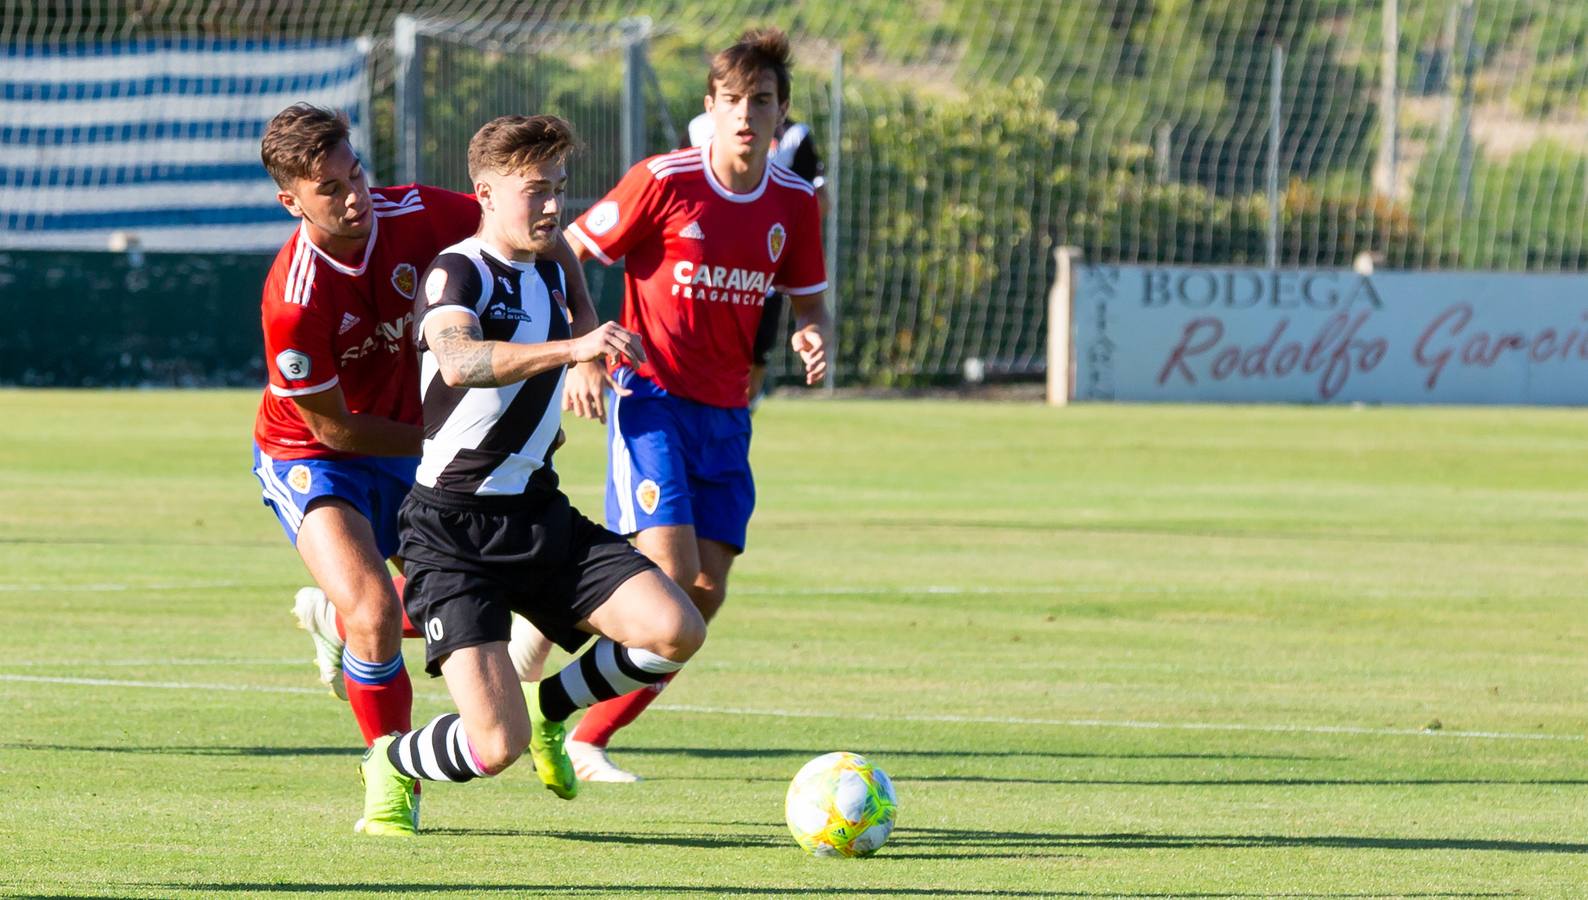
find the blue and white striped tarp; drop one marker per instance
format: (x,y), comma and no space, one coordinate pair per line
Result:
(158,139)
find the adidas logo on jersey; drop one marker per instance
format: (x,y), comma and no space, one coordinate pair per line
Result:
(348,321)
(692,230)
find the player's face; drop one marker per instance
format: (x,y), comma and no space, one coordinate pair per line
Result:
(524,209)
(334,198)
(746,117)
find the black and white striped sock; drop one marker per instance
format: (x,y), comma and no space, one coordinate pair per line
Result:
(439,751)
(606,670)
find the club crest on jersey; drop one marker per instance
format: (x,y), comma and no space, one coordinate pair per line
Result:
(602,217)
(775,239)
(649,493)
(404,278)
(298,479)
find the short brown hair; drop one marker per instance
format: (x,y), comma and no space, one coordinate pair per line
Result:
(510,144)
(758,50)
(298,138)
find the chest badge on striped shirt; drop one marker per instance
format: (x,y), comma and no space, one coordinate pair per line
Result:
(405,279)
(775,240)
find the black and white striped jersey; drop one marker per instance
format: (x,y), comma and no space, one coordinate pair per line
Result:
(492,441)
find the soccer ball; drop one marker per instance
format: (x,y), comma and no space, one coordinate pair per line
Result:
(840,805)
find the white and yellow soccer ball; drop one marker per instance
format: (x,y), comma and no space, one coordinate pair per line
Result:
(841,805)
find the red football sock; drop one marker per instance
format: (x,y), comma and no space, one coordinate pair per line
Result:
(604,719)
(382,708)
(409,631)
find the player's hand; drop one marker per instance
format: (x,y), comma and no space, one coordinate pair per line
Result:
(610,340)
(584,390)
(812,348)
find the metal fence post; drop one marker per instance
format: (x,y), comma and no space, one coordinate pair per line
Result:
(409,112)
(1275,133)
(636,33)
(835,145)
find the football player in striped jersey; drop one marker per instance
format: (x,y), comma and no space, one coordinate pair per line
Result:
(337,434)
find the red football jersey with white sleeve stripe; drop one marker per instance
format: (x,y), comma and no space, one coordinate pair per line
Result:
(329,324)
(699,261)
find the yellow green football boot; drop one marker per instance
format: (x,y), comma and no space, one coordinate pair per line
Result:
(389,802)
(546,749)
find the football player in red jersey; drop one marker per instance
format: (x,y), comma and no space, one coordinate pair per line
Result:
(339,428)
(706,233)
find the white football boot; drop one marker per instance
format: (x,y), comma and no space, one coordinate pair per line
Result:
(591,763)
(317,616)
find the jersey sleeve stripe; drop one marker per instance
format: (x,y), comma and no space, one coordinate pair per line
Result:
(676,170)
(788,179)
(377,204)
(589,244)
(403,211)
(301,278)
(677,156)
(300,392)
(801,291)
(411,197)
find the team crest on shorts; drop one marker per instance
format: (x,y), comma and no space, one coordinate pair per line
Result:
(404,278)
(649,493)
(298,479)
(775,240)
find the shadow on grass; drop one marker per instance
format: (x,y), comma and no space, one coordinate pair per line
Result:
(884,754)
(541,889)
(938,843)
(905,777)
(348,751)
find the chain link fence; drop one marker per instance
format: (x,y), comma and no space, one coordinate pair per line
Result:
(977,137)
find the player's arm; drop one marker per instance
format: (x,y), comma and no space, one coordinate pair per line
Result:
(584,390)
(580,305)
(581,251)
(811,327)
(803,278)
(331,423)
(466,359)
(606,232)
(301,364)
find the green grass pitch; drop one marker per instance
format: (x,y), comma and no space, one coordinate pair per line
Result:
(1104,651)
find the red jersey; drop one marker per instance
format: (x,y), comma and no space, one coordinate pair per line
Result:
(699,262)
(328,324)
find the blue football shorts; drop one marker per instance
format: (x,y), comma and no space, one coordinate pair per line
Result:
(373,485)
(672,461)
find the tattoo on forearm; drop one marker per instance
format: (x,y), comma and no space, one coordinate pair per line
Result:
(464,349)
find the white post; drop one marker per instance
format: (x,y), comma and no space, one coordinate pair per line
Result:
(1384,174)
(1061,303)
(410,98)
(636,33)
(1275,132)
(835,146)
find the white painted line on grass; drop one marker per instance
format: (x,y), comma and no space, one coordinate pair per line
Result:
(119,587)
(877,717)
(77,663)
(165,685)
(1127,723)
(909,590)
